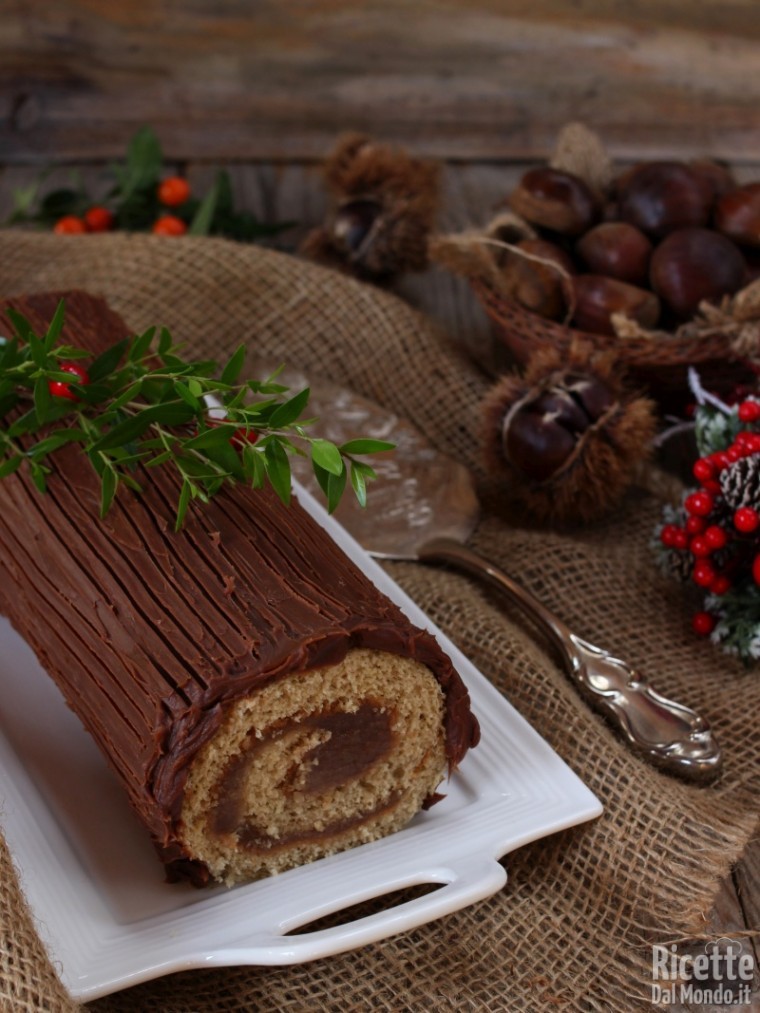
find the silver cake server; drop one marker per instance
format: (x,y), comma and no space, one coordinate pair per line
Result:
(424,508)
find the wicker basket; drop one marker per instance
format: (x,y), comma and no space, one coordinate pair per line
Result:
(658,361)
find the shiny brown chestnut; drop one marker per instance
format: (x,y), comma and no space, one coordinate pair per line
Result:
(597,298)
(543,433)
(659,197)
(695,264)
(353,222)
(737,214)
(534,284)
(720,177)
(617,250)
(554,200)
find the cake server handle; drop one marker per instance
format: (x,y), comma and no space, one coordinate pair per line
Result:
(464,880)
(671,735)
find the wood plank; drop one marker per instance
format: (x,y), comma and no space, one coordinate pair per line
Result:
(456,79)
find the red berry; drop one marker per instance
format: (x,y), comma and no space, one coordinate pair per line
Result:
(720,460)
(242,436)
(69,225)
(699,503)
(703,469)
(746,519)
(703,573)
(695,525)
(173,191)
(699,546)
(749,411)
(99,219)
(59,388)
(716,537)
(703,623)
(720,585)
(668,536)
(169,225)
(756,569)
(680,540)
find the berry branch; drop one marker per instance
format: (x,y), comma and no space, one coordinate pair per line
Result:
(713,538)
(140,405)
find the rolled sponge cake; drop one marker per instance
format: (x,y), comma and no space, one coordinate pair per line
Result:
(262,703)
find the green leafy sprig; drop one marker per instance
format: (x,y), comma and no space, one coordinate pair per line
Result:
(133,199)
(144,407)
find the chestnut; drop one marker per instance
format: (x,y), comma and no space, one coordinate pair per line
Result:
(554,200)
(537,286)
(737,214)
(695,264)
(543,432)
(659,197)
(618,250)
(597,298)
(719,176)
(353,222)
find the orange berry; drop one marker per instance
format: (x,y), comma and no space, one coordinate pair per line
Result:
(98,219)
(169,225)
(69,225)
(173,191)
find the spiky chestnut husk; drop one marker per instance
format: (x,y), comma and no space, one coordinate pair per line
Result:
(383,205)
(589,435)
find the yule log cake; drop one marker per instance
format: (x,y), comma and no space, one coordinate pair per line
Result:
(262,703)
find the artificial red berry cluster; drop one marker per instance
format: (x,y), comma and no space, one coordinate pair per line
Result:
(172,192)
(721,540)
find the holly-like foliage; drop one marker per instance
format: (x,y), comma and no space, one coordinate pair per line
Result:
(143,406)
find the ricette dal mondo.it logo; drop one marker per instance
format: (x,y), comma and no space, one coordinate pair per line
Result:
(717,973)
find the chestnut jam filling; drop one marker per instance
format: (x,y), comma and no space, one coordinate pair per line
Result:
(348,745)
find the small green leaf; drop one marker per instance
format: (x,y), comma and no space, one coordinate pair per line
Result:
(171,413)
(204,216)
(287,413)
(126,396)
(214,436)
(187,395)
(327,456)
(278,470)
(234,365)
(55,327)
(322,477)
(10,465)
(141,345)
(106,363)
(108,484)
(366,446)
(195,387)
(164,342)
(359,485)
(39,472)
(21,325)
(335,486)
(42,399)
(37,351)
(56,440)
(182,504)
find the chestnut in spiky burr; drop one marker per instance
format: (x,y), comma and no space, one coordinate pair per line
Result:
(383,204)
(567,437)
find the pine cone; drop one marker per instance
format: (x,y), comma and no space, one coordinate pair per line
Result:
(740,483)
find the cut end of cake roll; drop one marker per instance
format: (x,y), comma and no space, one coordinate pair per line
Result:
(315,763)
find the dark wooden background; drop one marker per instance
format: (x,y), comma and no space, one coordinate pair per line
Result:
(264,88)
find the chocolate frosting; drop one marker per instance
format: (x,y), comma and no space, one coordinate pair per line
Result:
(149,633)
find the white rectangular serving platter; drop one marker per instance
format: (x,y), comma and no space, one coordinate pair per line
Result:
(96,888)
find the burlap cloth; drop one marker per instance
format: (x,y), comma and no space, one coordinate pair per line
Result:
(573,927)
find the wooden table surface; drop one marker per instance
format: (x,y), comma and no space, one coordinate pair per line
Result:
(293,191)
